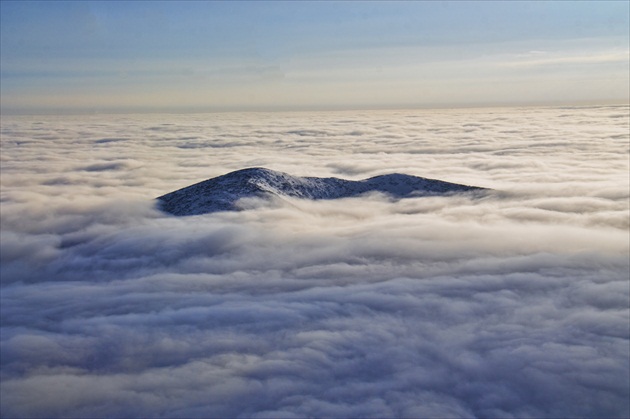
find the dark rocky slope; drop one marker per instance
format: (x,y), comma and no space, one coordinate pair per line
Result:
(222,192)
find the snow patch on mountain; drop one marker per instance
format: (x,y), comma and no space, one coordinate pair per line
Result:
(222,193)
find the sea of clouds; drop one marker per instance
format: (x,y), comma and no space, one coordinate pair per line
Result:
(512,304)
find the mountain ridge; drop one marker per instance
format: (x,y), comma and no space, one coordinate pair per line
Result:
(221,193)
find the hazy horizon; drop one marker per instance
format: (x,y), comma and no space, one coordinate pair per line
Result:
(280,110)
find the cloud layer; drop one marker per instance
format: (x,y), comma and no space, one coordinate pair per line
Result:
(510,305)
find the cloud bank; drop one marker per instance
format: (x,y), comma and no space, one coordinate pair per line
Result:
(510,305)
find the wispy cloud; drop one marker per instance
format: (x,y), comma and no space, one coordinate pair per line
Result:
(542,58)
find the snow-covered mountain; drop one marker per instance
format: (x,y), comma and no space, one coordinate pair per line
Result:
(221,193)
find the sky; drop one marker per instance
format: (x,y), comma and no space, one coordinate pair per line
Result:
(194,56)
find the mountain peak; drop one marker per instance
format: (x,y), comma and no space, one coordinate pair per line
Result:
(221,193)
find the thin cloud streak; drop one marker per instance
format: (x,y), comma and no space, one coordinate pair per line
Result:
(613,57)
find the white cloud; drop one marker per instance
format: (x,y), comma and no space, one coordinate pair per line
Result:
(511,305)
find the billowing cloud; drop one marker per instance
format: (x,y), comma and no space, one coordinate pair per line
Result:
(514,304)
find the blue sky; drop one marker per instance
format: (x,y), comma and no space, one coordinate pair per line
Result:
(191,56)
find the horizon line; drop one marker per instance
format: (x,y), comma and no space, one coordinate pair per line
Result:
(7,111)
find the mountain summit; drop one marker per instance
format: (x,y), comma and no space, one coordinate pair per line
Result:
(222,192)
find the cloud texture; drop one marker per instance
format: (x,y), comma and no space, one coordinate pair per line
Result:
(510,305)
